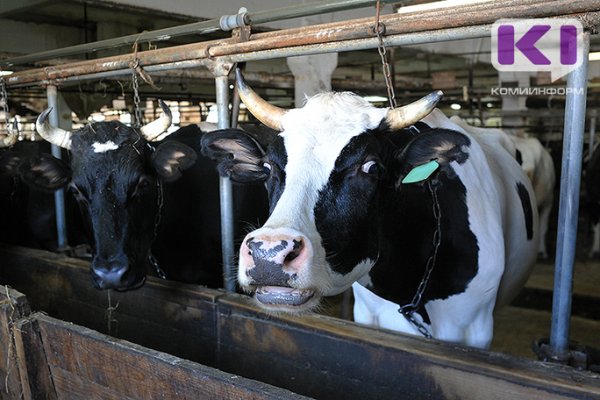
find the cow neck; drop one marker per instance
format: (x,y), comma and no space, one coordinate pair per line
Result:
(409,309)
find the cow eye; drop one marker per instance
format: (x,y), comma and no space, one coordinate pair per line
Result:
(370,167)
(76,192)
(142,185)
(267,168)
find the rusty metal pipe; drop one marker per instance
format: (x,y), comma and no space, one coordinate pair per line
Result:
(322,36)
(195,28)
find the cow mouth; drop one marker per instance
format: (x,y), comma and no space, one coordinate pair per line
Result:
(287,296)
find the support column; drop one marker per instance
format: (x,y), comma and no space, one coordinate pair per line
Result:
(221,70)
(312,74)
(512,103)
(59,195)
(569,206)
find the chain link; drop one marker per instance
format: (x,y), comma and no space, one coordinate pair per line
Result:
(408,309)
(389,83)
(4,104)
(137,120)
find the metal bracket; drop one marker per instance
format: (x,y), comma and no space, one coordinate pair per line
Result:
(230,22)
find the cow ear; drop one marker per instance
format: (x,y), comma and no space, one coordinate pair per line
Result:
(429,152)
(238,154)
(171,158)
(9,162)
(45,172)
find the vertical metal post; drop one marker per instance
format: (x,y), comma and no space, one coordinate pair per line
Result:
(569,205)
(59,195)
(593,117)
(226,196)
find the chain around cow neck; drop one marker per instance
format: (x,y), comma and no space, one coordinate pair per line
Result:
(159,201)
(409,309)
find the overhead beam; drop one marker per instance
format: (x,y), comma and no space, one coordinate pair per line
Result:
(434,25)
(8,7)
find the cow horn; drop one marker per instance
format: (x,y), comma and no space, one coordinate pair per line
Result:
(407,115)
(8,140)
(266,113)
(52,134)
(153,130)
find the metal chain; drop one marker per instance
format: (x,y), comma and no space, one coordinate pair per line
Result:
(408,310)
(137,120)
(389,83)
(4,103)
(160,200)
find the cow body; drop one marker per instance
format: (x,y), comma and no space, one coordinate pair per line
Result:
(340,212)
(592,203)
(537,163)
(31,217)
(149,205)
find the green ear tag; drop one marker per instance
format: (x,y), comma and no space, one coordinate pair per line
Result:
(421,172)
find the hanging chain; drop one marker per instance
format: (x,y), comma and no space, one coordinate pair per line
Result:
(137,120)
(408,310)
(380,31)
(4,103)
(160,200)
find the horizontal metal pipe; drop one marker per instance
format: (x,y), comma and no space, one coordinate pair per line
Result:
(195,28)
(346,36)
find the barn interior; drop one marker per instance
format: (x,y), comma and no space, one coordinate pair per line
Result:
(59,53)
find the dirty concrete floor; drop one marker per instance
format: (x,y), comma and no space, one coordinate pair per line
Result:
(516,327)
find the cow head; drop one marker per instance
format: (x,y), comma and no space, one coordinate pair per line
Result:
(324,174)
(116,175)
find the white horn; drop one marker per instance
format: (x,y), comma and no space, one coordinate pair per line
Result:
(52,134)
(154,130)
(266,113)
(407,115)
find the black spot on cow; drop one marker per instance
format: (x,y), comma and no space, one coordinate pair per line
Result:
(527,210)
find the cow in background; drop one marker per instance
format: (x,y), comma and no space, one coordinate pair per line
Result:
(537,163)
(150,202)
(439,222)
(30,214)
(592,199)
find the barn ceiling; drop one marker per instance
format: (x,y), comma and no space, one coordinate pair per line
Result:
(359,71)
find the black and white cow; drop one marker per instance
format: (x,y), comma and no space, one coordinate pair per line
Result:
(146,197)
(592,199)
(358,193)
(537,163)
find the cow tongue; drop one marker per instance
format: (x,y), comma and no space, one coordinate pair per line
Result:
(283,295)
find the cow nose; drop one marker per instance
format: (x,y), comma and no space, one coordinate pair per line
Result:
(110,273)
(274,259)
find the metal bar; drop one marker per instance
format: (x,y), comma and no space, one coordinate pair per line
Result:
(196,28)
(59,195)
(225,190)
(333,35)
(569,206)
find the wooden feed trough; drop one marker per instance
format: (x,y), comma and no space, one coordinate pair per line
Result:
(171,340)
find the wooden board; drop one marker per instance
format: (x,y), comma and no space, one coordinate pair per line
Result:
(13,306)
(84,364)
(316,356)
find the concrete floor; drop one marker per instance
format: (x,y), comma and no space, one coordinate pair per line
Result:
(516,327)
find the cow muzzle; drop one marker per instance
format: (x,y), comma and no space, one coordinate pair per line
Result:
(272,265)
(115,273)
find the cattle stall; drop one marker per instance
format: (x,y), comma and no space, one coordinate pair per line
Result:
(170,340)
(219,57)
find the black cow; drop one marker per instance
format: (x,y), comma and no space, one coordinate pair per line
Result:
(429,217)
(146,195)
(30,213)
